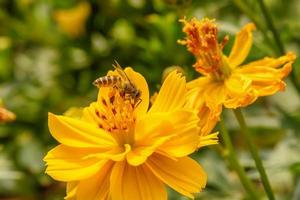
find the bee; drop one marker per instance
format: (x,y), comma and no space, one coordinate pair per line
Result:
(121,81)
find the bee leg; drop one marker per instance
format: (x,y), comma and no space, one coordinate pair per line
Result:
(123,94)
(138,102)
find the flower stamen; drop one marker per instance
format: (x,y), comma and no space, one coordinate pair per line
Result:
(116,114)
(202,41)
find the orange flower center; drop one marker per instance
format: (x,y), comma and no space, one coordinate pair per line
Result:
(202,41)
(117,115)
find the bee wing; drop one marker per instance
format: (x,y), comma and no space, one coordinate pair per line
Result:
(121,72)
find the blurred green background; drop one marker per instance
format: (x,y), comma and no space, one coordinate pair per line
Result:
(52,50)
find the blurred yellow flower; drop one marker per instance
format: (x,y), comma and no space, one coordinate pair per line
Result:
(6,115)
(226,81)
(121,151)
(72,21)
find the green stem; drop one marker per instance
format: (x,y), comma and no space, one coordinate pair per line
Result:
(270,24)
(233,160)
(279,43)
(258,162)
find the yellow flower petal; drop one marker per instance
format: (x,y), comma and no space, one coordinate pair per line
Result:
(237,85)
(272,62)
(90,114)
(215,95)
(209,139)
(71,190)
(196,89)
(198,82)
(185,134)
(266,80)
(116,154)
(96,187)
(70,164)
(208,119)
(172,94)
(242,45)
(141,84)
(76,133)
(135,183)
(239,91)
(184,175)
(145,130)
(241,101)
(195,98)
(149,137)
(174,134)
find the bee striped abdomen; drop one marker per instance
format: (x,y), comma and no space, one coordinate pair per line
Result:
(107,81)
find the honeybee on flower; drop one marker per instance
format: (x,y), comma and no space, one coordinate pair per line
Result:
(127,89)
(119,151)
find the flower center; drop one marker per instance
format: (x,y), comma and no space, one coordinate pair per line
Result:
(117,115)
(202,41)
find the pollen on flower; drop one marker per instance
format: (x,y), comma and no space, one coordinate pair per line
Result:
(201,35)
(202,41)
(116,113)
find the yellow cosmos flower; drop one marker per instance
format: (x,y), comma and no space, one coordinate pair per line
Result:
(120,151)
(226,81)
(72,21)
